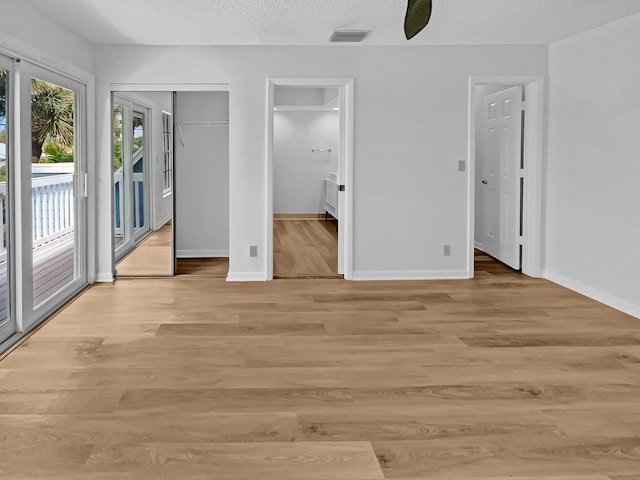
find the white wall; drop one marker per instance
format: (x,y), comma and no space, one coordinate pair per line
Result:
(29,33)
(411,129)
(298,173)
(202,176)
(593,173)
(298,96)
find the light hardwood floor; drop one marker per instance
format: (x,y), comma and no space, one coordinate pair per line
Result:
(151,258)
(305,248)
(207,267)
(190,377)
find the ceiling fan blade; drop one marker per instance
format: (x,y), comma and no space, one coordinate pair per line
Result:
(418,15)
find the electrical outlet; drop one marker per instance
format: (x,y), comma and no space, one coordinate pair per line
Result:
(447,250)
(462,166)
(253,250)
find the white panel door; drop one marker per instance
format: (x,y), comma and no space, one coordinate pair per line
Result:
(500,179)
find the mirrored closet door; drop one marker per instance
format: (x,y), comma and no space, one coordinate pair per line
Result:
(142,183)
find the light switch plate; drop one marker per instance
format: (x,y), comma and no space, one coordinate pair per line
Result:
(462,166)
(253,250)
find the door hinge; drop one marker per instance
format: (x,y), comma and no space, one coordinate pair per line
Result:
(341,188)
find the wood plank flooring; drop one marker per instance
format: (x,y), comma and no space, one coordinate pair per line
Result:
(503,377)
(207,267)
(151,258)
(305,248)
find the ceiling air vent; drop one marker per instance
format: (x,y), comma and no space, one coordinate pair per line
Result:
(348,36)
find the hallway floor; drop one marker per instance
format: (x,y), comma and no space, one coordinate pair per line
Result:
(305,249)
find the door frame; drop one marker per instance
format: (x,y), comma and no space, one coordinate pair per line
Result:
(14,324)
(118,88)
(533,151)
(347,105)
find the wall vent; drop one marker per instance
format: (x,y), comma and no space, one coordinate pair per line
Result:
(348,36)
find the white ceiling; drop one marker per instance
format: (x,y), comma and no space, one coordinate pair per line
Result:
(310,22)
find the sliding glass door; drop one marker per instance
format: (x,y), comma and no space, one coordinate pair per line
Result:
(42,194)
(130,175)
(53,188)
(7,319)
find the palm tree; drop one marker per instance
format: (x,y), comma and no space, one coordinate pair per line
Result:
(52,110)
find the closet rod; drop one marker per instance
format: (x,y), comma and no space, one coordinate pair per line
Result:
(213,123)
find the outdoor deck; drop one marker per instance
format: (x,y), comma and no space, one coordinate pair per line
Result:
(53,268)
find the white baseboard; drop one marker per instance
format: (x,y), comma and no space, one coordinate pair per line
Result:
(162,223)
(246,277)
(411,275)
(593,293)
(105,277)
(202,253)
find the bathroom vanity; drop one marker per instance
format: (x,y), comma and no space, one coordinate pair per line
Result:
(331,195)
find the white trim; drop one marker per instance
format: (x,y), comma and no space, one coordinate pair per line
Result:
(593,293)
(410,275)
(202,253)
(534,87)
(104,277)
(246,277)
(162,222)
(347,102)
(170,87)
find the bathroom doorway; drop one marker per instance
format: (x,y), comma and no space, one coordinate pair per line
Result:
(310,169)
(306,145)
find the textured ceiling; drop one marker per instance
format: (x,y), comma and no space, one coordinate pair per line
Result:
(310,22)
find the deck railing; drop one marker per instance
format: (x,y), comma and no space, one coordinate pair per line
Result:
(53,207)
(52,210)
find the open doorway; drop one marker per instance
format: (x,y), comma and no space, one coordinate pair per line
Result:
(505,173)
(306,150)
(310,178)
(202,183)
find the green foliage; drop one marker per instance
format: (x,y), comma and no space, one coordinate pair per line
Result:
(52,110)
(3,173)
(3,93)
(117,137)
(56,153)
(418,15)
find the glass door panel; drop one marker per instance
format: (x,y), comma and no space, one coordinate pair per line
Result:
(120,176)
(7,322)
(130,175)
(138,154)
(53,190)
(53,146)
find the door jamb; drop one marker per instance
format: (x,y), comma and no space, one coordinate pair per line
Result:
(534,88)
(346,87)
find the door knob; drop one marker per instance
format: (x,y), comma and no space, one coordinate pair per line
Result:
(485,182)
